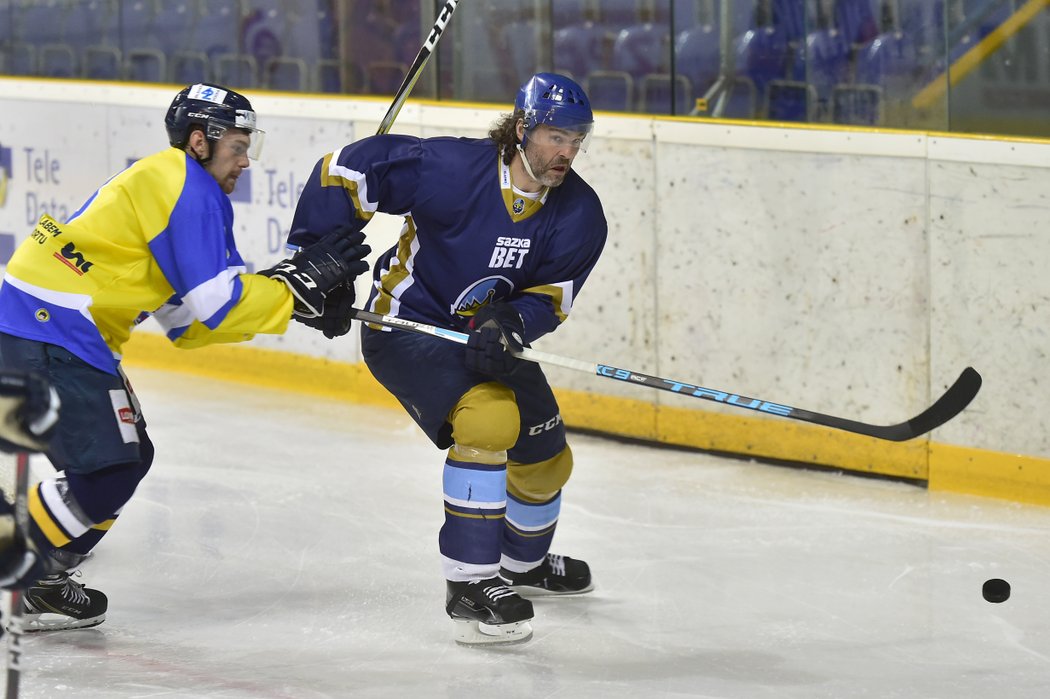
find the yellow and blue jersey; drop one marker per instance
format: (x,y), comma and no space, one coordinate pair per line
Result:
(156,238)
(469,237)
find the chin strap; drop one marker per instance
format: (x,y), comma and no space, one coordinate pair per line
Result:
(525,160)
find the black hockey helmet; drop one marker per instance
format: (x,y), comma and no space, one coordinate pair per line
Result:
(213,109)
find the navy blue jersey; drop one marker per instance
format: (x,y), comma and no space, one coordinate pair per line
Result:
(469,238)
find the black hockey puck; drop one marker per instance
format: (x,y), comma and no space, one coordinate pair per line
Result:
(996,590)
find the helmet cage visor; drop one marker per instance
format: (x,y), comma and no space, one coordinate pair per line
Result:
(557,118)
(244,120)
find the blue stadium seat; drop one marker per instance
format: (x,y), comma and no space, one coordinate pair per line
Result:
(858,105)
(189,67)
(658,92)
(856,19)
(369,40)
(143,35)
(790,100)
(238,70)
(642,49)
(34,24)
(762,55)
(85,23)
(698,58)
(686,14)
(518,42)
(568,12)
(790,19)
(21,59)
(487,85)
(101,62)
(328,76)
(331,76)
(286,73)
(57,60)
(216,28)
(617,14)
(610,90)
(279,34)
(580,49)
(741,101)
(174,23)
(890,60)
(923,22)
(827,62)
(407,41)
(145,65)
(138,24)
(384,77)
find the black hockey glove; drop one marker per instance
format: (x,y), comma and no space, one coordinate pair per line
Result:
(313,271)
(496,331)
(28,412)
(335,321)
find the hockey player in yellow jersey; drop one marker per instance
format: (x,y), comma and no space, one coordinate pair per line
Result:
(155,239)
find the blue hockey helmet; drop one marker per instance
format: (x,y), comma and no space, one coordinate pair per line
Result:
(212,109)
(555,100)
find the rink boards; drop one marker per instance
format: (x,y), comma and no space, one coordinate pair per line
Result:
(853,272)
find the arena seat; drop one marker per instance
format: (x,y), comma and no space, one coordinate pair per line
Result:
(239,70)
(827,63)
(890,60)
(859,105)
(698,58)
(790,100)
(610,90)
(146,65)
(286,73)
(580,49)
(658,92)
(642,49)
(101,62)
(762,55)
(856,20)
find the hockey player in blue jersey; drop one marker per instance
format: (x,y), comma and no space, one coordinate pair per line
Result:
(155,239)
(500,236)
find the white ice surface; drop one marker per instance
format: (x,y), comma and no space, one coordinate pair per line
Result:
(286,547)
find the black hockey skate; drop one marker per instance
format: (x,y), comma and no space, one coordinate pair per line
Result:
(556,575)
(487,611)
(56,603)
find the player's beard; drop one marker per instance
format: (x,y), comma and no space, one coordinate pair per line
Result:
(544,173)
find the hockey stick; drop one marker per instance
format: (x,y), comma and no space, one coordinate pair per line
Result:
(14,626)
(417,65)
(954,400)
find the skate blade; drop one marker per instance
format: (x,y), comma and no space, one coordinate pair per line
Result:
(473,633)
(39,623)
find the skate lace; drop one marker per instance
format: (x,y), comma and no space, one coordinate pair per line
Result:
(498,592)
(557,563)
(74,591)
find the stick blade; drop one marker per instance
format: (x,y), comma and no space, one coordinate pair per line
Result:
(959,395)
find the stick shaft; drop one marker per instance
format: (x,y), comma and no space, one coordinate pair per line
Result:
(418,64)
(14,626)
(954,400)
